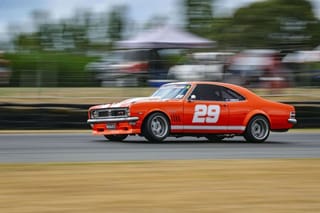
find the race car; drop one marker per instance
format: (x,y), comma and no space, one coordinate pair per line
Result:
(201,109)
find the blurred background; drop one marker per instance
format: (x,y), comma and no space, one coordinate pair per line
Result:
(54,51)
(118,43)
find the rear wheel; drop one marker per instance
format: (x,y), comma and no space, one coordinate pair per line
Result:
(258,129)
(115,137)
(156,127)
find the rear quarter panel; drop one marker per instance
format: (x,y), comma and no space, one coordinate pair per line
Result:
(279,114)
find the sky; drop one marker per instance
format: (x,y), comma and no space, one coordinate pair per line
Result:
(18,12)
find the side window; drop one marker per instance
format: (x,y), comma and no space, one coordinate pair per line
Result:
(207,92)
(231,96)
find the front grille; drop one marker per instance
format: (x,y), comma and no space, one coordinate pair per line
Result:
(103,114)
(110,113)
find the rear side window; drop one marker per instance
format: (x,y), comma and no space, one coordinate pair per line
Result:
(231,96)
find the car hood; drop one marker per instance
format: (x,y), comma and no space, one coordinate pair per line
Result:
(128,102)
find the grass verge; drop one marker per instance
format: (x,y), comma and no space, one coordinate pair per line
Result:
(93,95)
(162,186)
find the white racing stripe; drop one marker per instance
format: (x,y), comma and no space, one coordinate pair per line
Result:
(193,127)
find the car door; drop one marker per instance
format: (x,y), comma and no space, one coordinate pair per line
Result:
(238,109)
(205,111)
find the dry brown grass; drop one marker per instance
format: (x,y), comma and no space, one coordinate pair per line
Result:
(71,95)
(162,186)
(106,95)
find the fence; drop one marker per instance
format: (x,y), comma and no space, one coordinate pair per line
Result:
(74,116)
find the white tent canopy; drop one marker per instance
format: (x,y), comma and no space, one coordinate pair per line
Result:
(165,37)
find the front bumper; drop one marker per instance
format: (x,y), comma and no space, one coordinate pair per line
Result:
(123,126)
(112,120)
(292,120)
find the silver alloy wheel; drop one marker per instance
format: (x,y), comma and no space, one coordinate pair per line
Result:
(156,127)
(159,126)
(260,129)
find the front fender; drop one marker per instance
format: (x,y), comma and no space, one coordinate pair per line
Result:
(150,111)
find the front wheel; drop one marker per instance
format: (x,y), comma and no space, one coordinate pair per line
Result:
(258,129)
(156,127)
(115,137)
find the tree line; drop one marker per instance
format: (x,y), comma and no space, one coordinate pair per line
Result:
(280,24)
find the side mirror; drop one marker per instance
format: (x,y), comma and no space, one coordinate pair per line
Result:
(192,98)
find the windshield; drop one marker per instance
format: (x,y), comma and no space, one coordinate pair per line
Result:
(172,91)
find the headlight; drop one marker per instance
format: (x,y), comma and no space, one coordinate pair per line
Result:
(94,114)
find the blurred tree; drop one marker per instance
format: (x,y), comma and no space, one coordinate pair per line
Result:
(14,31)
(80,28)
(280,24)
(220,28)
(117,22)
(199,16)
(25,41)
(83,31)
(41,19)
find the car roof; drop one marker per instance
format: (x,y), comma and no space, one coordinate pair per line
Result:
(206,82)
(240,89)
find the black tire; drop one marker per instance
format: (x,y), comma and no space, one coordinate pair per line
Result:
(115,137)
(156,127)
(258,129)
(215,138)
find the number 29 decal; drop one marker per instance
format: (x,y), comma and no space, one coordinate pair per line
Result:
(206,114)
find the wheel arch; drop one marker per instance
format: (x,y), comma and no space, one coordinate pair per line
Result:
(152,112)
(253,114)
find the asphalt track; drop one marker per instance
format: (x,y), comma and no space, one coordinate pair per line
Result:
(84,147)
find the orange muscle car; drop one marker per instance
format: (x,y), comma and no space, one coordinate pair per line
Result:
(201,109)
